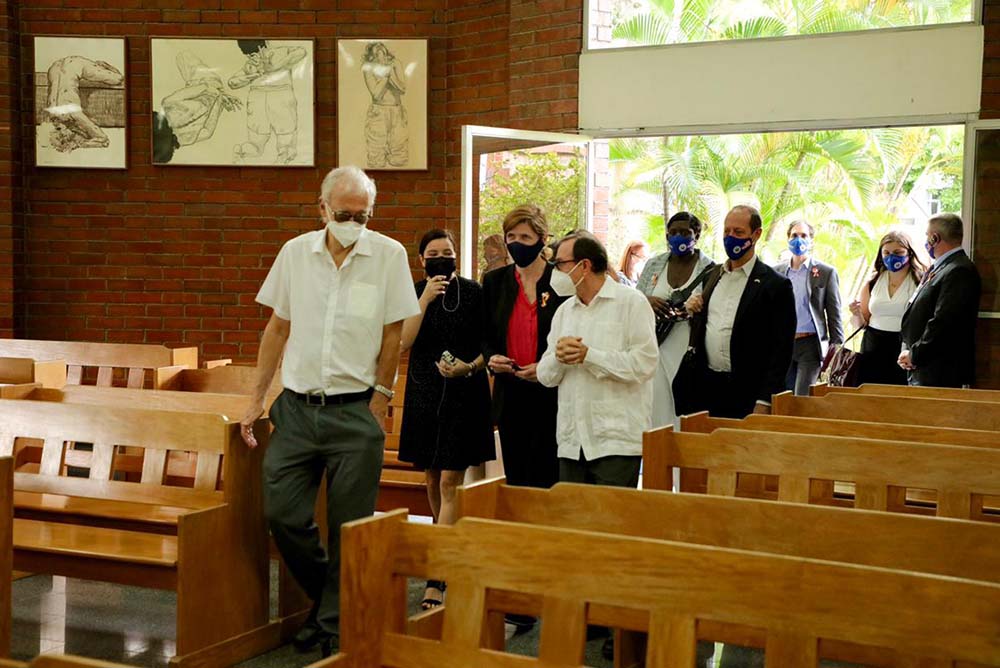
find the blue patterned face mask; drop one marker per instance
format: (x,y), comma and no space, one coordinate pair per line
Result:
(894,262)
(737,247)
(799,245)
(681,245)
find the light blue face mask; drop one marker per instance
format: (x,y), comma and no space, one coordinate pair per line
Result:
(799,245)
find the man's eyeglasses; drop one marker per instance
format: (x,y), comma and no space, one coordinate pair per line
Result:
(556,263)
(344,216)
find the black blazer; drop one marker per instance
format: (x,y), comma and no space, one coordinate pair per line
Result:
(939,324)
(499,294)
(763,334)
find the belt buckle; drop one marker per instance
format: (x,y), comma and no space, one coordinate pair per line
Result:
(315,399)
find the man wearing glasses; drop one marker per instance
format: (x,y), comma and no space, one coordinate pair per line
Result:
(338,296)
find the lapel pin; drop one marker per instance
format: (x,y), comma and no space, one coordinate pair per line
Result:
(545,299)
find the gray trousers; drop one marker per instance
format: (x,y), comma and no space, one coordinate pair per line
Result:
(346,443)
(804,369)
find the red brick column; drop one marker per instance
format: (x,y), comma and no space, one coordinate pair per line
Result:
(10,164)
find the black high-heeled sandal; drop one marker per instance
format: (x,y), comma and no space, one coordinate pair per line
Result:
(429,603)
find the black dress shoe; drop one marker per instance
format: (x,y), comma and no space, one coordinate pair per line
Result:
(327,644)
(309,636)
(521,623)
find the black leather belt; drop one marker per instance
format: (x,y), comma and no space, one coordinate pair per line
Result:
(320,399)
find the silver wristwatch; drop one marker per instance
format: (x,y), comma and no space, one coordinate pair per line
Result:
(382,389)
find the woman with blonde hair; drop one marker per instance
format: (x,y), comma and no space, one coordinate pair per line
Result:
(632,263)
(896,274)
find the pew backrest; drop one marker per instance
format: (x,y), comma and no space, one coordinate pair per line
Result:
(963,477)
(663,586)
(875,408)
(112,430)
(822,389)
(704,424)
(133,359)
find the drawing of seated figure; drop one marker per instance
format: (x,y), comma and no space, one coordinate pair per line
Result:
(387,135)
(271,104)
(72,128)
(191,114)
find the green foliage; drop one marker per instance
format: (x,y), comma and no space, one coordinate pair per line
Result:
(555,182)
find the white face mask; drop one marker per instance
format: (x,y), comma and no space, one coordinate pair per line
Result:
(347,233)
(563,284)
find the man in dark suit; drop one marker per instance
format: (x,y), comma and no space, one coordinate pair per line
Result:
(742,331)
(939,324)
(817,308)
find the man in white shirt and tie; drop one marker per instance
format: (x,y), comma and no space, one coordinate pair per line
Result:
(602,355)
(338,296)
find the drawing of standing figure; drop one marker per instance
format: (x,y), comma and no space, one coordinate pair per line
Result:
(71,127)
(387,136)
(271,103)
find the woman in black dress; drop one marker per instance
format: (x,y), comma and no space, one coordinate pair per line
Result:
(446,412)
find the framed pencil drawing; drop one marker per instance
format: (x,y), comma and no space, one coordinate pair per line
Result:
(81,103)
(382,103)
(239,102)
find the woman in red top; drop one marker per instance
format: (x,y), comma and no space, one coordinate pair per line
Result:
(518,308)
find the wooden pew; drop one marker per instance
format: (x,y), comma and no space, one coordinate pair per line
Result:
(400,485)
(822,389)
(658,586)
(892,409)
(60,661)
(208,545)
(132,360)
(850,536)
(6,550)
(961,476)
(24,370)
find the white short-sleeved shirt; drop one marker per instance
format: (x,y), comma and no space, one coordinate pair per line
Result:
(337,315)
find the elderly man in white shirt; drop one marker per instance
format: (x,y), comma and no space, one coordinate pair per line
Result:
(602,355)
(338,296)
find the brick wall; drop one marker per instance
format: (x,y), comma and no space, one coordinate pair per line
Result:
(10,167)
(987,205)
(176,254)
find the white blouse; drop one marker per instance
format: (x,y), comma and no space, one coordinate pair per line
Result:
(887,312)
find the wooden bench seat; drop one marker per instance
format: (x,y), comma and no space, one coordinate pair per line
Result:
(209,545)
(6,550)
(980,415)
(60,661)
(658,586)
(822,389)
(22,370)
(963,478)
(134,364)
(849,536)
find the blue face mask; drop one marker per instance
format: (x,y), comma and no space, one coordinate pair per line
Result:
(736,247)
(681,245)
(895,262)
(929,245)
(799,245)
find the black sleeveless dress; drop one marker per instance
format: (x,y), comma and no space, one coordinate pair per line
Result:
(447,424)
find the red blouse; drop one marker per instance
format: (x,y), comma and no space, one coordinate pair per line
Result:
(522,328)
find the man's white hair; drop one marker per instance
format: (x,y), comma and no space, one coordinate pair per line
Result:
(350,178)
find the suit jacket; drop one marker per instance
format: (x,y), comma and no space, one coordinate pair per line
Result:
(823,286)
(762,340)
(500,291)
(939,324)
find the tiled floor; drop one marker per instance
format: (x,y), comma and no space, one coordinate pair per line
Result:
(136,626)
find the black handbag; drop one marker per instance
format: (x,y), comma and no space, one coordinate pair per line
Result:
(675,309)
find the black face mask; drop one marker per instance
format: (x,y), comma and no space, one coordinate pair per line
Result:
(439,266)
(524,254)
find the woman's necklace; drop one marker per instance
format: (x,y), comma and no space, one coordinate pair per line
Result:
(458,300)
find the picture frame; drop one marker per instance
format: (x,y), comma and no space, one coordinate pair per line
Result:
(81,102)
(382,103)
(233,102)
